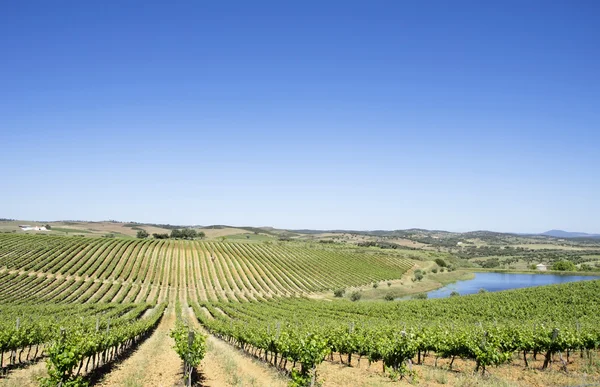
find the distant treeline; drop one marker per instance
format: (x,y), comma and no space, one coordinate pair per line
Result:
(384,245)
(186,233)
(133,225)
(551,255)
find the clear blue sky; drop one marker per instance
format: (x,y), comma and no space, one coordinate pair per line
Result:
(457,115)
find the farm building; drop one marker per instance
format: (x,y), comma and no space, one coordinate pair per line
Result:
(541,267)
(26,227)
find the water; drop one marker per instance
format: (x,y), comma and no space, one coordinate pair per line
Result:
(493,282)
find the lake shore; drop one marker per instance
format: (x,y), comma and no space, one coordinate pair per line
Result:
(404,286)
(553,272)
(493,281)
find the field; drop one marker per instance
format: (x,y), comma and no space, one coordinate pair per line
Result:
(98,310)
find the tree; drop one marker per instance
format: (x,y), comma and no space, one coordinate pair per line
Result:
(440,262)
(339,292)
(389,297)
(48,227)
(160,236)
(375,285)
(418,275)
(143,234)
(454,293)
(186,233)
(355,296)
(564,266)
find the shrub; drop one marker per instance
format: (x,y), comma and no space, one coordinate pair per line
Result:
(564,266)
(454,293)
(440,262)
(420,296)
(355,296)
(389,297)
(389,284)
(375,285)
(482,290)
(143,234)
(418,276)
(339,292)
(434,270)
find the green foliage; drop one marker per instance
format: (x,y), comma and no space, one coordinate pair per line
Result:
(339,292)
(189,345)
(355,295)
(389,297)
(482,291)
(142,234)
(486,328)
(389,284)
(375,285)
(564,266)
(298,379)
(440,262)
(63,357)
(418,275)
(186,233)
(434,270)
(84,339)
(160,236)
(454,293)
(420,296)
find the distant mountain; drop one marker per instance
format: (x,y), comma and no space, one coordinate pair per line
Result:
(567,234)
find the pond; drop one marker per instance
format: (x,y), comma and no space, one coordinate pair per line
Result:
(493,282)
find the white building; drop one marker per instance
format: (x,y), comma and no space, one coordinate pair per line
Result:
(541,267)
(26,227)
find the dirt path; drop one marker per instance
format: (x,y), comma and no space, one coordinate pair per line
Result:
(154,363)
(25,377)
(225,365)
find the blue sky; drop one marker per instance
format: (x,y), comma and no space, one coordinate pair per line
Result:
(458,115)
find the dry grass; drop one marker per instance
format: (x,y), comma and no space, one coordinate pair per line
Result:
(580,372)
(222,232)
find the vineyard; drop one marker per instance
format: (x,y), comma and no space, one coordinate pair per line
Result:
(89,270)
(82,305)
(487,328)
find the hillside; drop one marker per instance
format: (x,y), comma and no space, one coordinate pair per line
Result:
(75,269)
(567,234)
(273,299)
